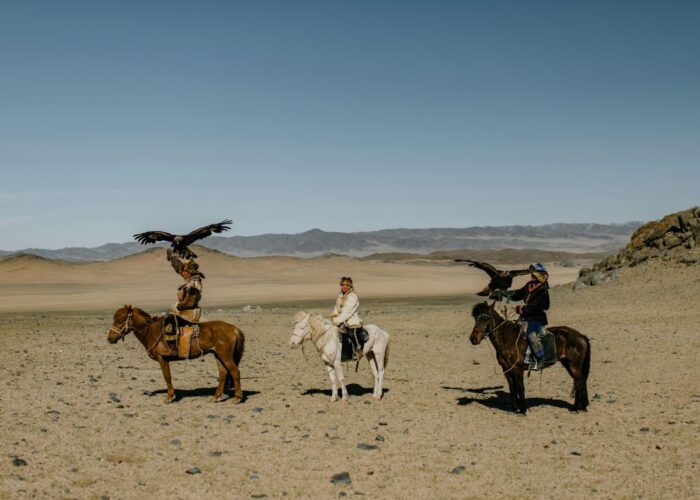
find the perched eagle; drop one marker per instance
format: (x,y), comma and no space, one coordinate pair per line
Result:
(180,242)
(500,280)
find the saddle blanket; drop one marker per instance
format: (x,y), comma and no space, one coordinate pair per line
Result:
(348,342)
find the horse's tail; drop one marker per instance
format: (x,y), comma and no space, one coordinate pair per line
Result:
(238,348)
(581,387)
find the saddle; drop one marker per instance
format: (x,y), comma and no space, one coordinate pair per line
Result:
(179,330)
(352,339)
(549,346)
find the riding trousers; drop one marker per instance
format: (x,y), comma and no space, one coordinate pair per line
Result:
(533,329)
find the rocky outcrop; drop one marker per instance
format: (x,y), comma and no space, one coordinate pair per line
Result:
(675,238)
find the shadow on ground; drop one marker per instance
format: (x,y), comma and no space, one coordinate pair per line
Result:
(500,400)
(201,392)
(353,390)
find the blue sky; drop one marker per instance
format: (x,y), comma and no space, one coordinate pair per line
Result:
(118,117)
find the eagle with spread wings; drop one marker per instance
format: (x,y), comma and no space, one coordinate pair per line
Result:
(500,280)
(181,242)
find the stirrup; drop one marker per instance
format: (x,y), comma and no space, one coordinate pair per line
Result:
(536,365)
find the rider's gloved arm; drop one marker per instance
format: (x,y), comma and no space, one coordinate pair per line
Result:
(174,260)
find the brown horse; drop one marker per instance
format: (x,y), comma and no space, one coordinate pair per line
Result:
(223,339)
(573,351)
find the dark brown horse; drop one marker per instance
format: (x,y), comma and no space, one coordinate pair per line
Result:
(507,337)
(223,339)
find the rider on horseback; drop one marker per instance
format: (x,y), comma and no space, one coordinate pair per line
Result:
(535,295)
(188,294)
(345,315)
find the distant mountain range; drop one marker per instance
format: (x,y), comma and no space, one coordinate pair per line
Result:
(598,238)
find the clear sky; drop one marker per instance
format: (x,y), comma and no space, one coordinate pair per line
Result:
(119,117)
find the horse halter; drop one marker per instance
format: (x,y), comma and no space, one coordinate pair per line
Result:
(126,328)
(492,321)
(302,336)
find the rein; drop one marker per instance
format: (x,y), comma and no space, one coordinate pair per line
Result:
(495,328)
(128,327)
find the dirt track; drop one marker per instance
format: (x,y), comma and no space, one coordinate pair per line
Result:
(88,418)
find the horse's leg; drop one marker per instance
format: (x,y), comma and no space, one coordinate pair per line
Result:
(334,386)
(372,360)
(513,391)
(341,379)
(520,389)
(579,391)
(223,373)
(379,359)
(165,368)
(227,360)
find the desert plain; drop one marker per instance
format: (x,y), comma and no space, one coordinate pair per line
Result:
(85,419)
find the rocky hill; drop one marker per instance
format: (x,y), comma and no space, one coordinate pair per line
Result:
(673,238)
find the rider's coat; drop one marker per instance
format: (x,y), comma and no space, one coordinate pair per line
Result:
(345,311)
(190,292)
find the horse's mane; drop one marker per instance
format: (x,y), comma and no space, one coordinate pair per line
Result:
(299,316)
(479,309)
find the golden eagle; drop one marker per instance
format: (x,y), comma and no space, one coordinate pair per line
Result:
(500,280)
(180,242)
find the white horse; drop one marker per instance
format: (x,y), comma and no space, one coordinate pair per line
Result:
(325,337)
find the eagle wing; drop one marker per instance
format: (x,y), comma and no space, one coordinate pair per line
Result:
(484,266)
(519,272)
(205,231)
(153,236)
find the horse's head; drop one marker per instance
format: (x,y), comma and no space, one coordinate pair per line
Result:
(483,322)
(302,329)
(122,323)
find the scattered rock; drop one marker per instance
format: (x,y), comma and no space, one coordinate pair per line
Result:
(576,453)
(113,396)
(175,442)
(341,478)
(194,470)
(644,429)
(367,447)
(458,470)
(19,462)
(379,438)
(256,410)
(215,453)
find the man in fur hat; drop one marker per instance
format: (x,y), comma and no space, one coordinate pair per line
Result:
(535,297)
(190,292)
(345,315)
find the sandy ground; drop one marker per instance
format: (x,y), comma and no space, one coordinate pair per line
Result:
(30,284)
(89,420)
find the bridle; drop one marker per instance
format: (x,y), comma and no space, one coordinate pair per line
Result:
(126,328)
(492,322)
